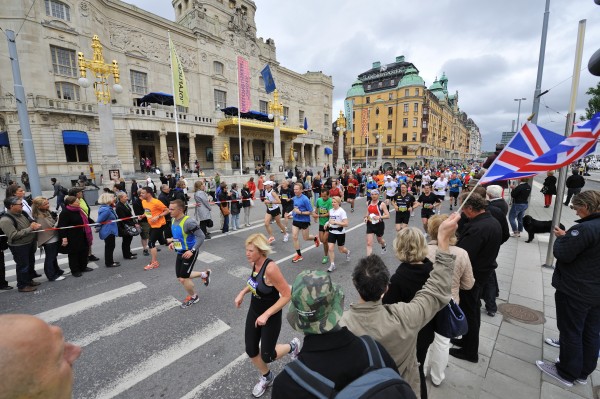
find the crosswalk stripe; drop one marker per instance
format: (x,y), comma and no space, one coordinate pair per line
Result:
(160,360)
(208,382)
(38,267)
(208,258)
(128,321)
(74,308)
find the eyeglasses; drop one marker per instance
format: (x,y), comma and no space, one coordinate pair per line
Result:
(18,203)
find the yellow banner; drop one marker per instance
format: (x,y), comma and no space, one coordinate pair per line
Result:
(180,96)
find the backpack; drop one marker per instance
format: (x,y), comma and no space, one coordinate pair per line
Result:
(3,237)
(377,381)
(63,190)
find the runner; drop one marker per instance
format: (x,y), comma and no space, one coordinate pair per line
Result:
(336,188)
(454,185)
(403,203)
(371,185)
(390,189)
(155,212)
(429,202)
(376,211)
(351,190)
(286,195)
(417,180)
(272,202)
(301,220)
(439,189)
(321,214)
(338,221)
(187,239)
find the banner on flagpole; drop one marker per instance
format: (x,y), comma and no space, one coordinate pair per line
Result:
(244,84)
(348,109)
(268,79)
(181,96)
(365,122)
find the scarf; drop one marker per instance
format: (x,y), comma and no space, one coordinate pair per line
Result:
(84,218)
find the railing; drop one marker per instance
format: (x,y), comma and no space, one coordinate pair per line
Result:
(158,112)
(46,103)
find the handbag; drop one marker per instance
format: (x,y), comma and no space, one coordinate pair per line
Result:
(225,210)
(209,223)
(451,321)
(544,190)
(131,230)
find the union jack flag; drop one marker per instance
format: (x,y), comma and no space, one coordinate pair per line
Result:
(527,145)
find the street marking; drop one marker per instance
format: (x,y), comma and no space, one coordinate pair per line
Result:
(80,306)
(161,360)
(240,272)
(38,266)
(209,381)
(43,279)
(208,258)
(129,320)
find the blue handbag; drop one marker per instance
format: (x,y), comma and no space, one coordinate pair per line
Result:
(451,321)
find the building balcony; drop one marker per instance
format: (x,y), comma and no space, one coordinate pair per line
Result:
(54,105)
(157,112)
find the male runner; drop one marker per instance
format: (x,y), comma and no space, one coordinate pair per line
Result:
(429,202)
(390,186)
(272,202)
(351,190)
(286,195)
(403,203)
(439,189)
(301,220)
(454,185)
(321,214)
(187,239)
(155,212)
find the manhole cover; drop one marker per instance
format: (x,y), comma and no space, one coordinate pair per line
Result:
(521,313)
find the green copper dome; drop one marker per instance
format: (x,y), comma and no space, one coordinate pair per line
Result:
(356,90)
(411,78)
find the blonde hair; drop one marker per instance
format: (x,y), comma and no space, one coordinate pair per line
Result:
(197,185)
(589,199)
(433,226)
(106,198)
(260,242)
(337,198)
(35,207)
(410,245)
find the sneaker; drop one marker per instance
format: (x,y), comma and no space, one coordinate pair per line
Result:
(262,385)
(59,278)
(93,258)
(581,381)
(151,265)
(331,268)
(297,258)
(383,250)
(550,369)
(206,279)
(286,237)
(348,256)
(516,234)
(27,288)
(146,252)
(271,240)
(296,345)
(450,207)
(553,342)
(324,260)
(317,242)
(352,210)
(189,301)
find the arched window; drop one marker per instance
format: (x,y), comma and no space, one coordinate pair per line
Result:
(57,9)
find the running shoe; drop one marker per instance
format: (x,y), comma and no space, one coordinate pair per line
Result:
(324,260)
(286,237)
(262,385)
(151,265)
(348,256)
(146,252)
(295,345)
(206,279)
(317,242)
(297,258)
(189,301)
(383,250)
(271,240)
(351,209)
(331,267)
(550,369)
(553,342)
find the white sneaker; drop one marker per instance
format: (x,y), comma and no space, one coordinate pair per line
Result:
(331,268)
(348,256)
(286,237)
(59,278)
(296,346)
(383,250)
(262,385)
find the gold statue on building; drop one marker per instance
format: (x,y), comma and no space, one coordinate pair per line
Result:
(292,157)
(225,152)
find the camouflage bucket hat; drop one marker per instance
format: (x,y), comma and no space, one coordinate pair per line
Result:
(317,304)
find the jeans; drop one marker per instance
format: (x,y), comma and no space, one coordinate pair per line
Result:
(517,211)
(316,196)
(490,292)
(225,223)
(24,256)
(51,269)
(109,249)
(579,326)
(247,215)
(235,221)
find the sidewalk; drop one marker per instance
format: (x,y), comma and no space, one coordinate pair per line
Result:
(509,348)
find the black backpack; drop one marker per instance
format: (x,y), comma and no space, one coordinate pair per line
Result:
(3,237)
(377,381)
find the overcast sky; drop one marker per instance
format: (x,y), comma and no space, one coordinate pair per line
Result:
(488,49)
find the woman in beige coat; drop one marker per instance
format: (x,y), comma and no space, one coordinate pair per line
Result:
(462,279)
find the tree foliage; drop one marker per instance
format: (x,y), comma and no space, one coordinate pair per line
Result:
(593,103)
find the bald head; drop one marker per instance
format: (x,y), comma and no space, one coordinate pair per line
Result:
(35,361)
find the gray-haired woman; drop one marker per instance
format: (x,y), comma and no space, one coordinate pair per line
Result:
(202,213)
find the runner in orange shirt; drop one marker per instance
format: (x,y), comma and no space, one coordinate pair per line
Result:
(154,211)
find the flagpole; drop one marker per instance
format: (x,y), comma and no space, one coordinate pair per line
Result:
(562,174)
(175,110)
(239,118)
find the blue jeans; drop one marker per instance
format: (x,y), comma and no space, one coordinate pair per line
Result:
(24,256)
(316,197)
(51,269)
(235,221)
(579,326)
(225,224)
(517,211)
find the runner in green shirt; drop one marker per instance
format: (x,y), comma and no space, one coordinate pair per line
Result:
(321,213)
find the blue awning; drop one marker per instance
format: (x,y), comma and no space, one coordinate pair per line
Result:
(4,139)
(75,137)
(328,151)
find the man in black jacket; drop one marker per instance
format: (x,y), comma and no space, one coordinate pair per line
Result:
(481,238)
(520,195)
(575,183)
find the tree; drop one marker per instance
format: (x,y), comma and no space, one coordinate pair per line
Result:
(593,103)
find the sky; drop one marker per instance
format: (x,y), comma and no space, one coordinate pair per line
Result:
(489,50)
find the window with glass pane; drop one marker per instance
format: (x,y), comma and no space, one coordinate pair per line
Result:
(376,126)
(218,68)
(405,122)
(416,92)
(405,107)
(389,125)
(76,153)
(286,112)
(404,151)
(139,82)
(263,106)
(390,111)
(414,137)
(387,152)
(63,61)
(415,122)
(326,119)
(261,82)
(220,99)
(57,9)
(389,138)
(416,109)
(368,100)
(67,91)
(301,117)
(407,92)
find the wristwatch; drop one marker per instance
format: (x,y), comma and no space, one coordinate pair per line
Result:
(193,250)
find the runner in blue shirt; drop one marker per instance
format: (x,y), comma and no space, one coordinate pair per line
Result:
(301,220)
(455,184)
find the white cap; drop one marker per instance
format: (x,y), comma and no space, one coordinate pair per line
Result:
(268,183)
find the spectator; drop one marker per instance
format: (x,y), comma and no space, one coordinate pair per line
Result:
(520,195)
(235,207)
(76,240)
(575,183)
(85,207)
(25,181)
(138,210)
(202,210)
(251,187)
(48,239)
(21,242)
(246,204)
(14,190)
(224,198)
(549,188)
(59,193)
(134,188)
(123,211)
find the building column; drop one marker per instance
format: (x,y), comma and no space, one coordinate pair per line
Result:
(193,155)
(379,150)
(302,159)
(249,150)
(165,166)
(340,152)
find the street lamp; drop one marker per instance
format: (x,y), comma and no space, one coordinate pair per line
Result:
(102,71)
(341,128)
(519,112)
(276,114)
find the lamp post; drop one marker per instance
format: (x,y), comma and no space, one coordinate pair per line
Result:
(276,114)
(102,72)
(341,128)
(519,111)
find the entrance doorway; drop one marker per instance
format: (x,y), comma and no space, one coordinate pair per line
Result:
(147,151)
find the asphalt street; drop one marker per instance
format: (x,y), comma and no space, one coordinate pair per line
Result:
(138,343)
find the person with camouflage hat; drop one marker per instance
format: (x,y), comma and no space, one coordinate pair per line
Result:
(270,293)
(316,307)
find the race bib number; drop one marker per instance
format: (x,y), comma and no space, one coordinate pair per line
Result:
(455,185)
(253,285)
(427,206)
(284,196)
(402,208)
(323,212)
(148,213)
(177,244)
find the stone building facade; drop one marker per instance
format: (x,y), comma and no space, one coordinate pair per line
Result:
(208,36)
